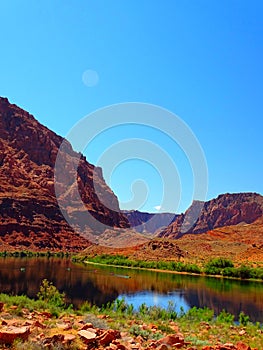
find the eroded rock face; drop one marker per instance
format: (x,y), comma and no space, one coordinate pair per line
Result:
(29,213)
(225,210)
(148,222)
(162,248)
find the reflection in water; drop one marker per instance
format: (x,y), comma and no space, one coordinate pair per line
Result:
(100,285)
(157,299)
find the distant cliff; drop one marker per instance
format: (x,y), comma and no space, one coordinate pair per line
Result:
(225,210)
(148,222)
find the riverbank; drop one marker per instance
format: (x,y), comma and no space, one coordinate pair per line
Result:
(31,254)
(218,267)
(49,323)
(103,284)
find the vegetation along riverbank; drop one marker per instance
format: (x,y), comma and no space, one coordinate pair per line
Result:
(49,323)
(215,267)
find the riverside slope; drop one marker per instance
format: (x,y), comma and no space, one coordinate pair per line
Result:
(30,217)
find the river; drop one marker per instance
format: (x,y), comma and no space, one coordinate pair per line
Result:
(101,284)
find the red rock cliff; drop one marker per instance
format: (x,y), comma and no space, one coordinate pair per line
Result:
(29,213)
(225,210)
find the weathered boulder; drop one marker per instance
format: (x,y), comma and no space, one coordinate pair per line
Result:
(87,336)
(9,334)
(108,336)
(172,340)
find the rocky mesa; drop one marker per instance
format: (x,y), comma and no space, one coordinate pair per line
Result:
(30,217)
(225,210)
(148,222)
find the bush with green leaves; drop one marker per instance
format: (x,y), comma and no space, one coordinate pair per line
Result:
(51,295)
(121,260)
(229,272)
(217,266)
(244,272)
(243,319)
(225,317)
(201,314)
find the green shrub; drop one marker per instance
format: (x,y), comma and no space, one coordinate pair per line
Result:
(212,270)
(243,318)
(143,309)
(120,305)
(225,317)
(244,272)
(229,272)
(49,294)
(130,309)
(139,331)
(86,307)
(191,268)
(221,263)
(219,266)
(121,260)
(200,314)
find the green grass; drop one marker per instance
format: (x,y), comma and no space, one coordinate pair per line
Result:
(225,267)
(49,299)
(120,260)
(218,266)
(200,326)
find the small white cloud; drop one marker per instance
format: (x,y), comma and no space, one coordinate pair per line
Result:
(158,207)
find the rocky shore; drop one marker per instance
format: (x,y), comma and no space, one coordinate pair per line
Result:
(31,329)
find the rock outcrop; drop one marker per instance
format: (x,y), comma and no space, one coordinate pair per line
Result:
(37,330)
(225,210)
(30,217)
(148,222)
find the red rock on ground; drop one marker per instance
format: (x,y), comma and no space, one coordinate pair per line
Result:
(69,338)
(242,346)
(87,336)
(172,340)
(9,334)
(108,336)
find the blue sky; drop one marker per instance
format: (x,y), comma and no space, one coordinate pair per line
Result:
(200,59)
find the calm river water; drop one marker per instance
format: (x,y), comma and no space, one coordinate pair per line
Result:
(100,285)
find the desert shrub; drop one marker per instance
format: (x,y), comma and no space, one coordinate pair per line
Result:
(220,263)
(212,270)
(87,307)
(143,309)
(130,309)
(218,266)
(225,317)
(120,305)
(96,322)
(244,272)
(243,318)
(138,331)
(200,314)
(191,268)
(256,273)
(121,260)
(229,272)
(50,294)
